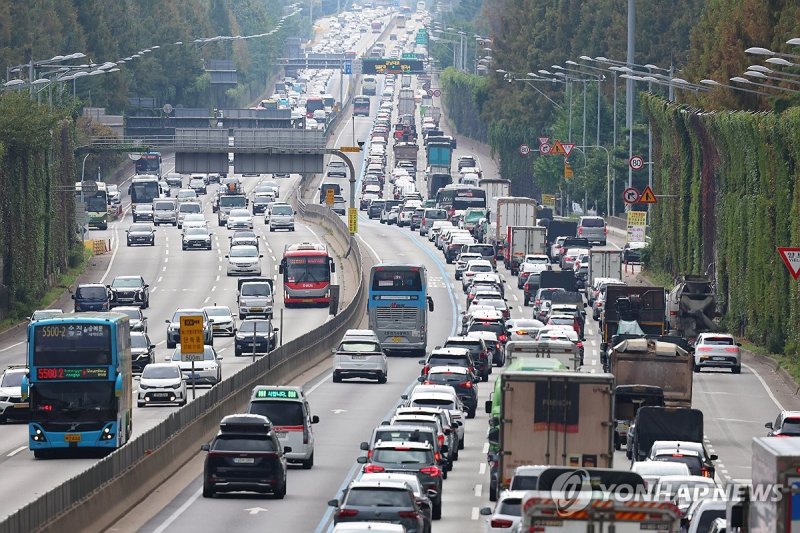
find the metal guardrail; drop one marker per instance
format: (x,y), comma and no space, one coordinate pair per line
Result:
(86,500)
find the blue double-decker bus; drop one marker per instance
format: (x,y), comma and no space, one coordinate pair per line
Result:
(398,307)
(79,383)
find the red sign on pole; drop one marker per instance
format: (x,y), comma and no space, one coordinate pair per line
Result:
(791,257)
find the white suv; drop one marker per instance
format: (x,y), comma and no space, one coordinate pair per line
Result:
(718,350)
(360,358)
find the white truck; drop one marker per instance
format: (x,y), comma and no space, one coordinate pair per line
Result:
(511,211)
(255,297)
(521,241)
(564,351)
(552,418)
(495,187)
(604,264)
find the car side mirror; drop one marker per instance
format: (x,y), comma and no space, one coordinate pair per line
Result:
(168,321)
(486,511)
(152,347)
(333,503)
(219,357)
(287,449)
(315,419)
(260,256)
(362,460)
(364,446)
(713,457)
(404,397)
(739,344)
(768,425)
(421,379)
(205,448)
(168,358)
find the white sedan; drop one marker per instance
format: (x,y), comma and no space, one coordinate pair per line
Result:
(244,260)
(240,219)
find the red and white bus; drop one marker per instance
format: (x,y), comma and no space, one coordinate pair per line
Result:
(306,270)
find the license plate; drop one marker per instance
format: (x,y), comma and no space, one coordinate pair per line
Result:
(718,358)
(72,437)
(21,405)
(397,339)
(256,309)
(280,434)
(160,395)
(358,357)
(307,300)
(244,460)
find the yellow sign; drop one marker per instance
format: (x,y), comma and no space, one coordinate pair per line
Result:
(350,149)
(568,173)
(192,334)
(557,149)
(637,225)
(329,197)
(549,200)
(648,196)
(352,220)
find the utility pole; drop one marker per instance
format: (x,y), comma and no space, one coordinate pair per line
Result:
(629,84)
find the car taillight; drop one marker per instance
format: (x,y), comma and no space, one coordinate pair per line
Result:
(305,435)
(732,349)
(369,454)
(500,522)
(605,231)
(502,338)
(373,469)
(705,472)
(580,230)
(440,438)
(498,346)
(579,344)
(432,471)
(341,513)
(465,385)
(425,370)
(538,301)
(704,349)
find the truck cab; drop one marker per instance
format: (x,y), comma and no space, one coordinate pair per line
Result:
(255,297)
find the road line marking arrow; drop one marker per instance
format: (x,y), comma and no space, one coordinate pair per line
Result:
(256,510)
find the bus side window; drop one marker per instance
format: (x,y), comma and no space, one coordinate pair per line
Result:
(282,266)
(333,265)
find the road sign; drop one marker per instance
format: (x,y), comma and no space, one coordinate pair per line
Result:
(567,148)
(648,197)
(386,65)
(352,220)
(636,226)
(545,148)
(349,148)
(549,200)
(348,67)
(89,187)
(329,197)
(437,93)
(557,149)
(81,217)
(191,332)
(544,140)
(630,195)
(524,150)
(791,257)
(636,162)
(426,86)
(568,172)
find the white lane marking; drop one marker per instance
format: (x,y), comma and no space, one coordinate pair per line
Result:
(178,512)
(766,388)
(154,289)
(485,447)
(15,452)
(166,259)
(166,251)
(160,343)
(476,513)
(482,469)
(207,299)
(164,269)
(12,346)
(478,490)
(159,279)
(320,382)
(273,259)
(371,249)
(116,248)
(213,288)
(217,278)
(314,233)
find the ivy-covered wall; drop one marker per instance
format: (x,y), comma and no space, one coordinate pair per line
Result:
(37,209)
(734,177)
(463,96)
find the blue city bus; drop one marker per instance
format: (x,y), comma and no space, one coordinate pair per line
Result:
(79,383)
(149,163)
(398,307)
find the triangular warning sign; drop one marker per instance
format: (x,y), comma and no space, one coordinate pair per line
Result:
(647,197)
(558,149)
(568,148)
(791,257)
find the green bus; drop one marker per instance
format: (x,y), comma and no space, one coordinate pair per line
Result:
(96,205)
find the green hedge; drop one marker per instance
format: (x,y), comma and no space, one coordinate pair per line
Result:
(463,96)
(734,176)
(37,213)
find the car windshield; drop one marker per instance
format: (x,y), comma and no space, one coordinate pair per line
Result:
(187,194)
(218,311)
(94,293)
(132,313)
(378,497)
(255,443)
(138,341)
(140,227)
(359,346)
(256,289)
(692,461)
(446,378)
(185,312)
(196,231)
(261,326)
(160,372)
(791,426)
(164,206)
(593,223)
(446,360)
(391,455)
(46,313)
(244,251)
(240,213)
(126,283)
(280,413)
(12,379)
(190,208)
(282,210)
(523,482)
(480,268)
(511,506)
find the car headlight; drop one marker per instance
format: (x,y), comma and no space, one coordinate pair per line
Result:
(177,386)
(143,386)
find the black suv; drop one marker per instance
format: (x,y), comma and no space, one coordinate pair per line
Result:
(479,351)
(245,456)
(409,457)
(92,297)
(143,351)
(265,337)
(454,356)
(461,379)
(375,208)
(130,290)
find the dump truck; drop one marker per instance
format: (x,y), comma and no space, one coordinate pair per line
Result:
(405,102)
(551,279)
(405,151)
(657,363)
(664,423)
(560,228)
(640,308)
(692,306)
(552,418)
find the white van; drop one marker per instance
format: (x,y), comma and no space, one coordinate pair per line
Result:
(369,86)
(288,410)
(165,211)
(187,207)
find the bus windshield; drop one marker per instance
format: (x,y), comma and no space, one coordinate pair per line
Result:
(397,280)
(73,344)
(144,192)
(148,164)
(307,269)
(97,203)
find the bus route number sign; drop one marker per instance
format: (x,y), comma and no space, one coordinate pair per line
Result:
(192,334)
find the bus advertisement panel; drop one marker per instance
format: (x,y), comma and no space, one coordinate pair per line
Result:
(79,383)
(144,189)
(96,205)
(306,270)
(149,163)
(398,307)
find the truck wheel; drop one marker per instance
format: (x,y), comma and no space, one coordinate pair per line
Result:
(696,368)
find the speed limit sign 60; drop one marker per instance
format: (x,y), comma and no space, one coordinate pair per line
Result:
(636,162)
